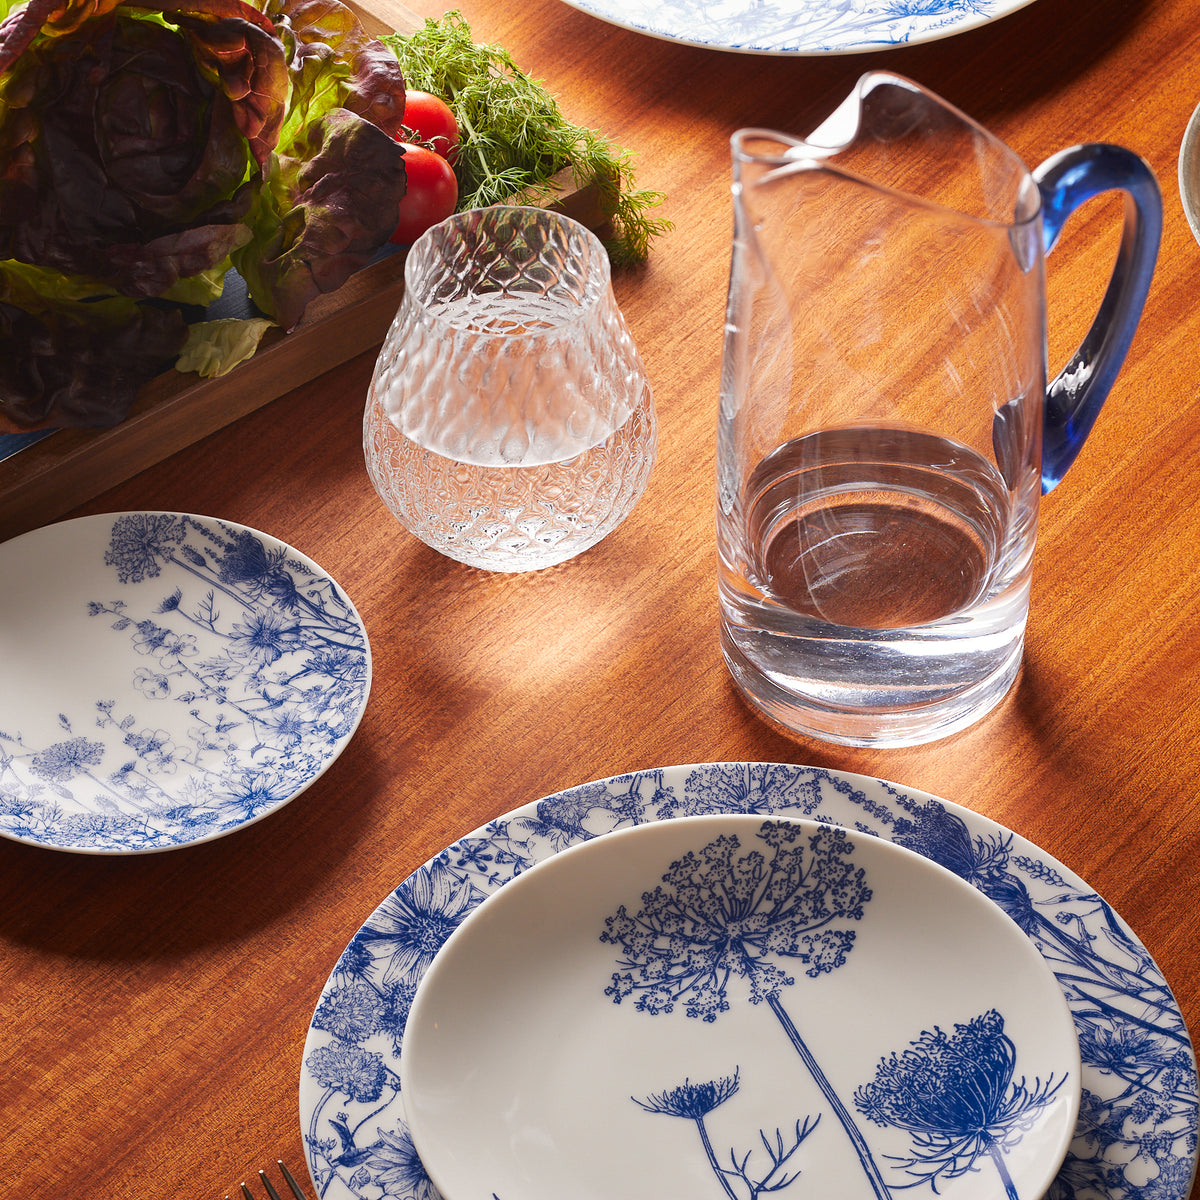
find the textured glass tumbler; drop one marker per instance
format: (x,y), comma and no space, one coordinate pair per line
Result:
(509,424)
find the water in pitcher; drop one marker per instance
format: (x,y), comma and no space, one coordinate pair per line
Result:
(877,571)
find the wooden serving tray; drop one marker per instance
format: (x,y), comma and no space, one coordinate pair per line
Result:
(42,481)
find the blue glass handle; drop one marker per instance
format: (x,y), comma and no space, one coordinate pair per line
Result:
(1074,397)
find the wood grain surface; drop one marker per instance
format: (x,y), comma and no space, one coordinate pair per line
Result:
(154,1008)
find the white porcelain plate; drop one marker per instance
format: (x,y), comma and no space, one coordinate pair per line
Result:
(733,1006)
(167,679)
(799,26)
(1135,1135)
(1189,173)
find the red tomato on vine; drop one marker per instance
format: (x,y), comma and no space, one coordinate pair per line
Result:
(431,196)
(430,118)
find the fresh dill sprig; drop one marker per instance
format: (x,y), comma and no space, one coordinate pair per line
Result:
(514,138)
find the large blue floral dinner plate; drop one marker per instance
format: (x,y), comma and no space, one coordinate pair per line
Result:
(167,679)
(799,26)
(1135,1138)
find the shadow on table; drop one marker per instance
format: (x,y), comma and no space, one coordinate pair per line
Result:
(1029,722)
(168,904)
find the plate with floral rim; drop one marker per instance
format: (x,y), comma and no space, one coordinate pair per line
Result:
(170,678)
(1135,1138)
(810,1004)
(799,27)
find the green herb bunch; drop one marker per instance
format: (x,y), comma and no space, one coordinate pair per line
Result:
(515,138)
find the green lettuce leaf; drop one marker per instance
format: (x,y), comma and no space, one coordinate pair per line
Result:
(334,63)
(214,348)
(333,187)
(328,205)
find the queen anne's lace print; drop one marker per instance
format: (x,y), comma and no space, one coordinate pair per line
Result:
(720,915)
(956,1097)
(694,1102)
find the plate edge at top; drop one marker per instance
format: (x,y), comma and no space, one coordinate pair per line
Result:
(947,29)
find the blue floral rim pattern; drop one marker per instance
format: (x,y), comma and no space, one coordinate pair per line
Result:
(799,26)
(1136,1137)
(235,671)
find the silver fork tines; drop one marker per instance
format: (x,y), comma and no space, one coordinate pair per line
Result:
(269,1187)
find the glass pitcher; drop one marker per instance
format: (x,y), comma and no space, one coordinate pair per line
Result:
(886,427)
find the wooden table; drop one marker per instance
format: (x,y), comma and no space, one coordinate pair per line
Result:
(154,1008)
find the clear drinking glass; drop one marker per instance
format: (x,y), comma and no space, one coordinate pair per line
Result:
(886,428)
(509,423)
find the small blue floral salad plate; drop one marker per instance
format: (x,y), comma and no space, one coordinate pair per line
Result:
(799,26)
(167,679)
(819,1010)
(736,1014)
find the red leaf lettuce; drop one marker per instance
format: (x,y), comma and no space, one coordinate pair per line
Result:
(147,147)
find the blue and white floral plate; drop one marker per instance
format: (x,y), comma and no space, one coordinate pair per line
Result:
(823,1012)
(168,679)
(1135,1138)
(799,26)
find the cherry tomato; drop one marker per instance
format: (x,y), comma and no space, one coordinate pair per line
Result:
(431,196)
(430,118)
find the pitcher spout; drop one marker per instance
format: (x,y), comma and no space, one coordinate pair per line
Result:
(893,135)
